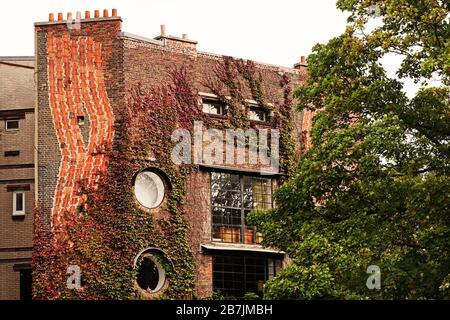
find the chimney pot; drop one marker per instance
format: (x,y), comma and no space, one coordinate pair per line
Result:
(185,36)
(51,17)
(69,15)
(105,13)
(60,16)
(87,14)
(96,14)
(114,12)
(302,59)
(78,15)
(163,30)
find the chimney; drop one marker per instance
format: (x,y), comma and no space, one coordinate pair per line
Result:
(182,44)
(301,64)
(87,15)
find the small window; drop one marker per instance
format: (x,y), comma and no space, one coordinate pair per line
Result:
(80,120)
(11,125)
(13,153)
(212,106)
(151,276)
(149,189)
(258,114)
(18,203)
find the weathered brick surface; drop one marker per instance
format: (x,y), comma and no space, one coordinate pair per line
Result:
(76,86)
(73,84)
(16,94)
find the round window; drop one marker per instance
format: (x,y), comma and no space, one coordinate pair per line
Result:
(149,189)
(151,275)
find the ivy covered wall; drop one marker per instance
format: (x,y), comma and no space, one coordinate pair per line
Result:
(152,91)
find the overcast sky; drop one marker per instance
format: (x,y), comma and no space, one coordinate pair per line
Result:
(271,31)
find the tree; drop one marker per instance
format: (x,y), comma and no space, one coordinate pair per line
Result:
(374,187)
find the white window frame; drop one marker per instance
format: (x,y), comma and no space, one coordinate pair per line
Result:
(15,211)
(14,129)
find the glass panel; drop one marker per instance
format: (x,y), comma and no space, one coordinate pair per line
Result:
(258,114)
(232,198)
(151,275)
(213,107)
(237,275)
(12,124)
(148,275)
(149,189)
(19,201)
(262,193)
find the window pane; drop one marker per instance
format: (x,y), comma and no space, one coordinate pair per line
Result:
(262,193)
(237,275)
(150,274)
(149,189)
(213,107)
(12,124)
(258,114)
(232,198)
(19,201)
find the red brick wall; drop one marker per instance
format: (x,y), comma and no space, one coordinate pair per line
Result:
(75,74)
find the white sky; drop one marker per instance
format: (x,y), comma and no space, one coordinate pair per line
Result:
(271,31)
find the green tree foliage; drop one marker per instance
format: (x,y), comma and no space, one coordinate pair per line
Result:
(374,188)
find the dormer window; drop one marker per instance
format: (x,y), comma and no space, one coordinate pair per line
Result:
(213,106)
(258,114)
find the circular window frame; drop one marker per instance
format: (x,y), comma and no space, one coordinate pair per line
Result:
(165,181)
(161,273)
(155,255)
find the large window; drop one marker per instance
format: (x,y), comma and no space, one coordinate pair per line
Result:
(236,275)
(233,196)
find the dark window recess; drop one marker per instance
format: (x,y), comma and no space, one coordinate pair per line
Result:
(148,275)
(19,201)
(11,124)
(80,120)
(25,284)
(258,114)
(214,107)
(236,275)
(13,153)
(233,196)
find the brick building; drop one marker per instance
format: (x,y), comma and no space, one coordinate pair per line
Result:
(17,95)
(87,70)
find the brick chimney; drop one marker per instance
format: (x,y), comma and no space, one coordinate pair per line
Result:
(302,64)
(183,44)
(77,66)
(77,19)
